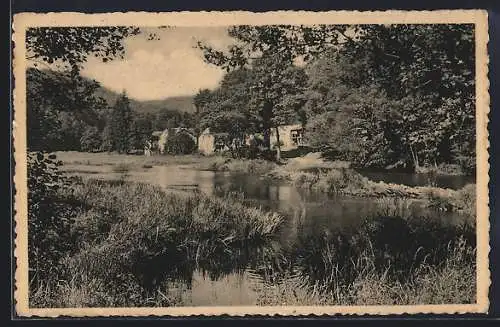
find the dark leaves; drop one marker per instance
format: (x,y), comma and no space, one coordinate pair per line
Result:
(72,45)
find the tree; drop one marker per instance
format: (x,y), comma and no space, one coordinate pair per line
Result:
(90,140)
(180,143)
(107,137)
(55,84)
(57,106)
(72,45)
(276,94)
(121,124)
(141,130)
(425,94)
(288,41)
(429,70)
(202,99)
(225,110)
(273,82)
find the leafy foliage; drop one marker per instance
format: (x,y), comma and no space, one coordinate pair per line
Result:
(406,90)
(59,104)
(140,130)
(395,95)
(72,45)
(171,118)
(180,143)
(91,139)
(255,99)
(120,124)
(49,220)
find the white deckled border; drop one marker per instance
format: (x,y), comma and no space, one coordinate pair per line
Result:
(23,21)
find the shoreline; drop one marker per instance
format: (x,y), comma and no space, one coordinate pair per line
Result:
(304,172)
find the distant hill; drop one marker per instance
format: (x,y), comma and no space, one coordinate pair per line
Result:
(179,103)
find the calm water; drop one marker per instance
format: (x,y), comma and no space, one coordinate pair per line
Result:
(308,217)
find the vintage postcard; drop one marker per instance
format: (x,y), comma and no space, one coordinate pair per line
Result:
(290,163)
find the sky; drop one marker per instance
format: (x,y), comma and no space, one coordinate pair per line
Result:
(157,69)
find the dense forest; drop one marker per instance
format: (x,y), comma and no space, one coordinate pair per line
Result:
(386,96)
(377,95)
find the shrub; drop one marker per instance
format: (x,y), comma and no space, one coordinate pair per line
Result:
(466,199)
(90,140)
(49,219)
(440,203)
(329,181)
(180,143)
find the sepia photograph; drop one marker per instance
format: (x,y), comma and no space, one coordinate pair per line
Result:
(330,162)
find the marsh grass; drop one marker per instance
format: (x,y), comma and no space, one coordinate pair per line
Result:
(346,181)
(428,264)
(128,239)
(121,168)
(250,166)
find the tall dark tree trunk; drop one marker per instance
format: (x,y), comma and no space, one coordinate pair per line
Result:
(278,145)
(266,115)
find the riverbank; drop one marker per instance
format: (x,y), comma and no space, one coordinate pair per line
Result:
(120,163)
(310,172)
(132,244)
(346,181)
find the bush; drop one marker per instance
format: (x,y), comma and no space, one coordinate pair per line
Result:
(180,143)
(466,198)
(49,218)
(331,181)
(91,139)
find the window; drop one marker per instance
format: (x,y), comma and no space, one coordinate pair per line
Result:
(297,136)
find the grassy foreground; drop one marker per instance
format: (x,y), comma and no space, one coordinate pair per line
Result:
(417,263)
(128,239)
(132,243)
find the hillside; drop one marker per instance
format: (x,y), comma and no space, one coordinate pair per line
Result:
(179,103)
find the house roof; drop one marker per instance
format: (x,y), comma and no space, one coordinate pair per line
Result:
(207,132)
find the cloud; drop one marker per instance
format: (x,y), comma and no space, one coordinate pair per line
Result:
(167,67)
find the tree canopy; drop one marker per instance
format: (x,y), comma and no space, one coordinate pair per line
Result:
(382,95)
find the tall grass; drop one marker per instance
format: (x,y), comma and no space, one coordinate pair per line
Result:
(130,239)
(251,166)
(387,261)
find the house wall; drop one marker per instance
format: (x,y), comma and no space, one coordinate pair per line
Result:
(206,143)
(162,141)
(285,137)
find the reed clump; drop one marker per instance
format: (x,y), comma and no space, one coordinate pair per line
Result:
(129,239)
(385,261)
